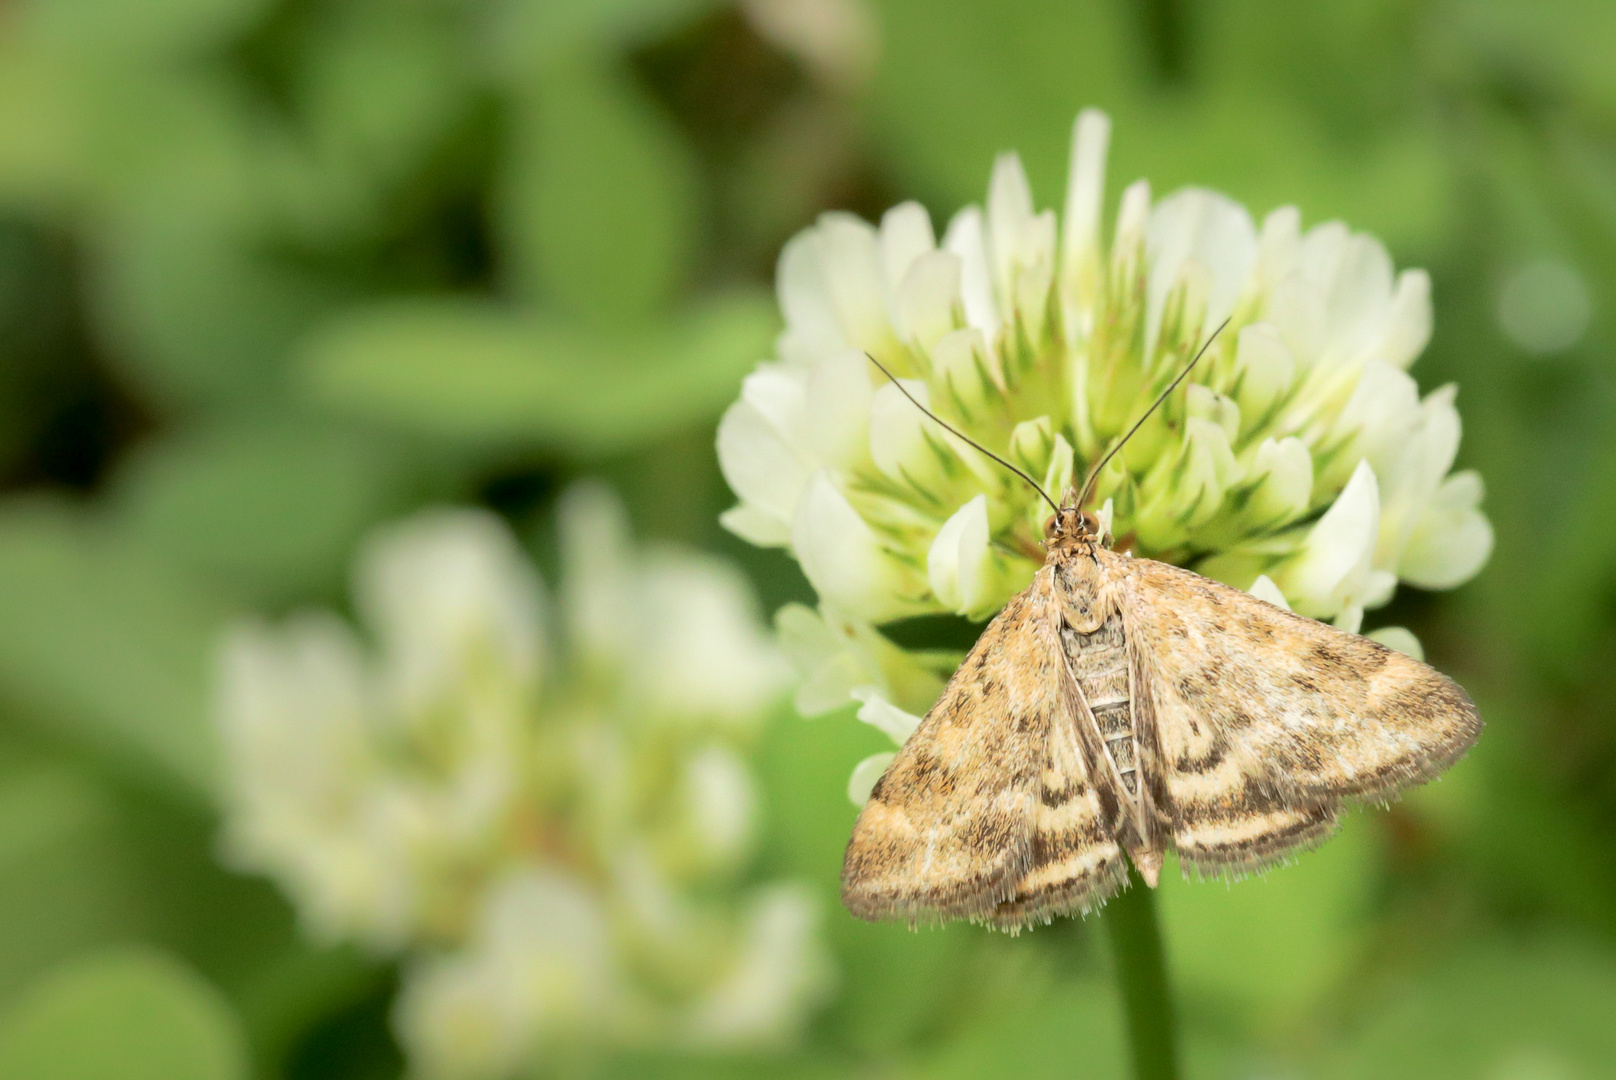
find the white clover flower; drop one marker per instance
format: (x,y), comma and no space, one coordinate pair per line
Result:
(372,786)
(539,963)
(1299,449)
(536,825)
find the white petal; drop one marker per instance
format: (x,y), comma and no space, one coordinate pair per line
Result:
(965,238)
(886,717)
(722,804)
(904,441)
(1265,370)
(540,964)
(441,586)
(1265,589)
(1410,484)
(1408,324)
(1279,246)
(781,970)
(806,637)
(830,665)
(844,561)
(964,372)
(1091,137)
(1133,219)
(1209,228)
(1354,274)
(1021,243)
(865,775)
(294,708)
(779,392)
(1186,486)
(906,235)
(1400,638)
(842,658)
(839,394)
(1381,414)
(1205,403)
(1452,540)
(763,447)
(1284,472)
(599,583)
(929,303)
(854,279)
(760,467)
(1440,429)
(697,617)
(1332,569)
(1010,216)
(813,328)
(1104,517)
(756,526)
(955,565)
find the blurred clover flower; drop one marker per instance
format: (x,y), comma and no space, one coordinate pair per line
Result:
(1299,460)
(551,833)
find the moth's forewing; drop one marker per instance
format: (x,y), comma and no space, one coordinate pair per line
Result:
(1265,721)
(1218,723)
(986,813)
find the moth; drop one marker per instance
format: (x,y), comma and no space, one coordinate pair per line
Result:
(1119,707)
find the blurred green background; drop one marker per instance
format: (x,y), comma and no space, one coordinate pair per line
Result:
(274,271)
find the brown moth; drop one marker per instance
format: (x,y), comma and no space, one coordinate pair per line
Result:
(1121,706)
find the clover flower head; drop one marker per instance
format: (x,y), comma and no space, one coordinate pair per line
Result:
(540,806)
(1299,450)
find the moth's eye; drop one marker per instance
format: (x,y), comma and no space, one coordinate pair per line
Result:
(1049,524)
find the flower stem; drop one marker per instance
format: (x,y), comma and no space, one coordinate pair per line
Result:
(1136,947)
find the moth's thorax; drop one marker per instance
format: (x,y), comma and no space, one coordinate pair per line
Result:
(1080,582)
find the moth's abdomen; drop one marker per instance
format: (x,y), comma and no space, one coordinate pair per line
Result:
(1099,662)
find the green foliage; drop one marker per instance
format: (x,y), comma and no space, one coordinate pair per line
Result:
(275,271)
(481,373)
(1267,948)
(1507,1010)
(270,505)
(69,593)
(607,253)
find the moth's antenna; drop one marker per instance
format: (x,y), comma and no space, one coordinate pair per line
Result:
(960,434)
(1094,473)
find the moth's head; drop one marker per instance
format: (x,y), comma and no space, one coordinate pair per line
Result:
(1070,525)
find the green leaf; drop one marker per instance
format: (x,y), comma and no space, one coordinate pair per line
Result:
(597,208)
(106,645)
(125,1014)
(380,87)
(194,313)
(272,504)
(1269,946)
(476,372)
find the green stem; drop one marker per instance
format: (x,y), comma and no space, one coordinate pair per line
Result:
(1136,946)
